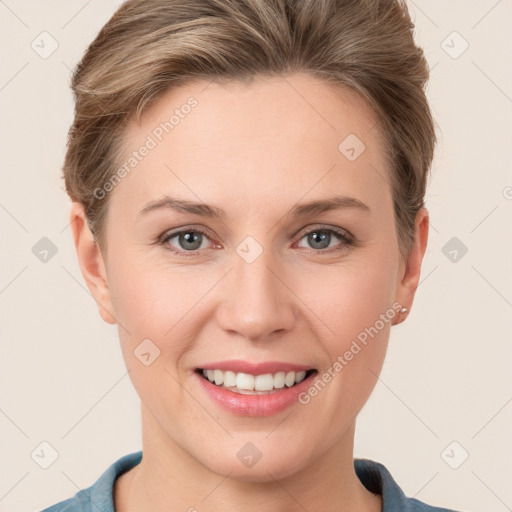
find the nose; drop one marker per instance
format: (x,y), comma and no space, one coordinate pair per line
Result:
(256,301)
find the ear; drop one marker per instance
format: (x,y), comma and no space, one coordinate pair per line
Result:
(411,269)
(91,262)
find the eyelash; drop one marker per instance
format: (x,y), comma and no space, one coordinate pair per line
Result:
(345,239)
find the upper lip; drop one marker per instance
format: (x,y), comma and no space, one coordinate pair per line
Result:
(240,366)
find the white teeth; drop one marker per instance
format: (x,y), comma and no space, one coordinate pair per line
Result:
(229,379)
(289,380)
(218,375)
(279,380)
(252,384)
(244,381)
(299,376)
(264,382)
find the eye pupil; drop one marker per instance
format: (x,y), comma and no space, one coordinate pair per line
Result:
(190,237)
(321,237)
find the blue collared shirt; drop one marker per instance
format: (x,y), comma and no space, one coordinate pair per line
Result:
(99,497)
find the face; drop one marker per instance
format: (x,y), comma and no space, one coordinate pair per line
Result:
(293,266)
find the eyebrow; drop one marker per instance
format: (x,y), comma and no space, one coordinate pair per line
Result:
(301,210)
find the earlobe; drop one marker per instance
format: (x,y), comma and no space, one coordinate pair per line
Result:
(410,276)
(91,262)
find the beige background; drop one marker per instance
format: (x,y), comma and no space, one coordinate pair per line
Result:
(447,373)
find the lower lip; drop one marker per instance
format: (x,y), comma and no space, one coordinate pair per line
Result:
(254,405)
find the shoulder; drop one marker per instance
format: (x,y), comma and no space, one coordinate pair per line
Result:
(377,479)
(99,496)
(80,502)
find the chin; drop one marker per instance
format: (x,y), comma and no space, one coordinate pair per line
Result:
(266,468)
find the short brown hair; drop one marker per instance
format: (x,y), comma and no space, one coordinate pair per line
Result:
(149,46)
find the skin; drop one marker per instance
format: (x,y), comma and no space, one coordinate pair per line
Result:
(254,150)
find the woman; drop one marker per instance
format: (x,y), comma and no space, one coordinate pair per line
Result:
(248,184)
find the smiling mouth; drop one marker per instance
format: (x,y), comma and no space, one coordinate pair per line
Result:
(249,384)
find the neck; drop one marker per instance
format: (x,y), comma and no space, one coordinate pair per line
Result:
(170,479)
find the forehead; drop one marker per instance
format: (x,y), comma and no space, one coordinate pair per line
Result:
(296,105)
(290,136)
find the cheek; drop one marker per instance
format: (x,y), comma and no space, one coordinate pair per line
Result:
(155,308)
(153,298)
(161,304)
(351,297)
(357,310)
